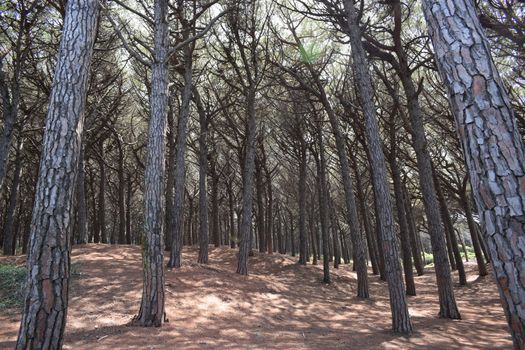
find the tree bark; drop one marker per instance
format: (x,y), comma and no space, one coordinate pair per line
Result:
(151,310)
(269,208)
(400,317)
(101,209)
(45,308)
(260,193)
(214,198)
(121,194)
(232,235)
(449,228)
(323,204)
(371,243)
(447,302)
(83,222)
(9,242)
(302,203)
(177,209)
(247,184)
(414,235)
(403,225)
(482,268)
(170,175)
(129,195)
(491,143)
(203,180)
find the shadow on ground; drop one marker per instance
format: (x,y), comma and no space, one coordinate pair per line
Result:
(281,305)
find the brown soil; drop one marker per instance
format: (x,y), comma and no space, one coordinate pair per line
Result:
(279,306)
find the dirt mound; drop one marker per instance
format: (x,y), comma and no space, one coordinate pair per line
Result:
(281,305)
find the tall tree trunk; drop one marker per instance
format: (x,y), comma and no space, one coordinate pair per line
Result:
(9,243)
(151,310)
(170,176)
(491,143)
(83,222)
(10,102)
(101,209)
(129,195)
(96,226)
(400,317)
(260,194)
(482,268)
(335,236)
(214,198)
(312,233)
(449,228)
(177,209)
(232,235)
(447,301)
(269,210)
(203,180)
(358,240)
(121,194)
(371,243)
(247,184)
(302,203)
(323,204)
(414,235)
(402,220)
(45,308)
(292,234)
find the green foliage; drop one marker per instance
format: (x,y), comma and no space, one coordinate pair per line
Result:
(470,253)
(12,281)
(429,258)
(310,53)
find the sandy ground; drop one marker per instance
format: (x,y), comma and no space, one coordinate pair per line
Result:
(279,306)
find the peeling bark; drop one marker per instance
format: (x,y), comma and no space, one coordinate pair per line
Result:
(491,143)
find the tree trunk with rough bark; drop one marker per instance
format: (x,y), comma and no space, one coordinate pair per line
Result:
(491,143)
(247,184)
(101,209)
(9,242)
(302,202)
(121,194)
(45,308)
(367,225)
(232,235)
(449,229)
(129,195)
(177,209)
(269,210)
(170,175)
(414,235)
(203,180)
(260,194)
(322,192)
(214,199)
(402,221)
(482,268)
(447,301)
(83,222)
(151,310)
(400,317)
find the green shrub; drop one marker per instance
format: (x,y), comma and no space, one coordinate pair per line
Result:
(12,281)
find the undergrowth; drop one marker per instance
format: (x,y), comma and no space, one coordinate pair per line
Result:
(12,282)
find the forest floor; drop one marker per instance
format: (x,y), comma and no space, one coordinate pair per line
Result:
(281,305)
